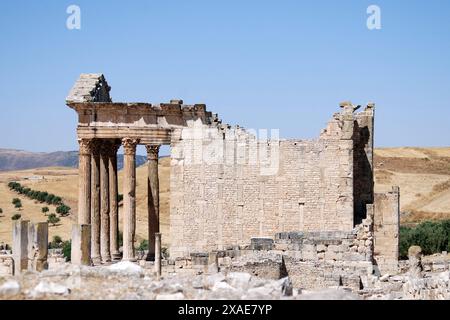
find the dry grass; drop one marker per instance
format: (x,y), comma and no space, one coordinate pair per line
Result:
(423,175)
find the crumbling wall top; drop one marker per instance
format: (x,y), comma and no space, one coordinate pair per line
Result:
(90,87)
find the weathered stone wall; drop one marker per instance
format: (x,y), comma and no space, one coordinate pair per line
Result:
(386,230)
(228,186)
(324,259)
(309,259)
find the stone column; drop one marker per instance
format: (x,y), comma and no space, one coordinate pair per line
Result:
(81,244)
(158,255)
(129,198)
(104,203)
(213,262)
(113,202)
(20,245)
(95,202)
(84,181)
(415,261)
(152,198)
(38,246)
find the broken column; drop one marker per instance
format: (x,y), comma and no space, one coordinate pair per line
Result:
(415,261)
(129,198)
(20,245)
(38,246)
(158,255)
(213,262)
(81,244)
(152,198)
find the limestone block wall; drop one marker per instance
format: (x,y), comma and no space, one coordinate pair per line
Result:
(240,186)
(386,230)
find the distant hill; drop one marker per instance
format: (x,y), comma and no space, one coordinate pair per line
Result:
(20,160)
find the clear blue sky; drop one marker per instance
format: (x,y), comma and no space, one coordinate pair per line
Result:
(260,64)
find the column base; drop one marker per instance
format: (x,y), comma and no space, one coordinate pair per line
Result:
(106,259)
(129,259)
(96,261)
(117,256)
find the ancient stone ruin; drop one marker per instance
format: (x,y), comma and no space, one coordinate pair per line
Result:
(312,199)
(298,214)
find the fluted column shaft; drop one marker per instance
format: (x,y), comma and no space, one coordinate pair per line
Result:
(113,202)
(104,203)
(152,198)
(129,198)
(84,182)
(95,203)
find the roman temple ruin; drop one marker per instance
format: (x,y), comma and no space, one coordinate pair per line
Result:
(311,200)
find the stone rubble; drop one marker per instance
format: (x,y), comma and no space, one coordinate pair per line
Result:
(129,281)
(9,288)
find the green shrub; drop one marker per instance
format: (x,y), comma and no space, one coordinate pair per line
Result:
(143,245)
(15,200)
(16,216)
(49,198)
(45,210)
(56,243)
(53,219)
(432,237)
(41,196)
(63,209)
(57,201)
(67,249)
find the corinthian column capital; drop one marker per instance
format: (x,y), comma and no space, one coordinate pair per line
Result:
(129,145)
(152,152)
(85,146)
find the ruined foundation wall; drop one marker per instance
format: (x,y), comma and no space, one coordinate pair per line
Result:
(386,230)
(214,204)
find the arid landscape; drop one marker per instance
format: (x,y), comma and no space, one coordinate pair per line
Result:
(423,175)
